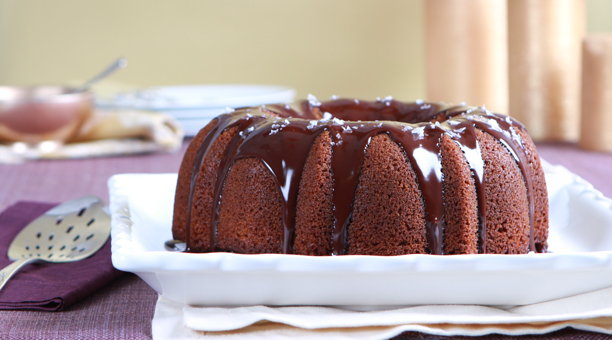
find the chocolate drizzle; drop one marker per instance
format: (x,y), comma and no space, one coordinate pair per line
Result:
(281,137)
(466,138)
(502,128)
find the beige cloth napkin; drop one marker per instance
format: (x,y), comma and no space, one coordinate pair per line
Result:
(590,311)
(107,133)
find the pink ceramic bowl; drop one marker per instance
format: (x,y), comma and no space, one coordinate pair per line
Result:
(33,114)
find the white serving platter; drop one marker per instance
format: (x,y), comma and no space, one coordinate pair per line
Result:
(580,241)
(195,105)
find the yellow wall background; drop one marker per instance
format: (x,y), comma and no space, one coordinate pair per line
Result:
(355,48)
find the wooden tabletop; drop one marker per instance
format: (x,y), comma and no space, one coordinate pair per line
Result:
(124,309)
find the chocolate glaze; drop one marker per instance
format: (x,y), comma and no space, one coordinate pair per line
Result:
(281,137)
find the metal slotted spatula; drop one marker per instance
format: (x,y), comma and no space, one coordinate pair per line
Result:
(69,232)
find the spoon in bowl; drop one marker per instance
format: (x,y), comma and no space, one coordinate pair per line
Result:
(112,68)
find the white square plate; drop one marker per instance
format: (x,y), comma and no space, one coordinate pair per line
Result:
(580,239)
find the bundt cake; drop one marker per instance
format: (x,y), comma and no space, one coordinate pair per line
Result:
(362,177)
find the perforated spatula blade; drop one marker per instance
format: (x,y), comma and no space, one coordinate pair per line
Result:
(68,232)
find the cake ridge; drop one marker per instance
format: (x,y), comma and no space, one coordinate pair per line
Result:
(471,151)
(519,154)
(515,147)
(221,126)
(297,128)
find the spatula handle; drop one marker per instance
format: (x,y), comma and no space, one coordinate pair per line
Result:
(11,269)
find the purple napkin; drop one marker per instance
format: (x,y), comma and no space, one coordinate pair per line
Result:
(48,286)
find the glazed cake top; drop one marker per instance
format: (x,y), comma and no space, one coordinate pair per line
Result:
(281,136)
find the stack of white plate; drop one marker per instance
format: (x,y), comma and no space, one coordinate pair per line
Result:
(196,105)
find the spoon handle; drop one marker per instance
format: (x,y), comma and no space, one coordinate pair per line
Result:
(8,271)
(118,64)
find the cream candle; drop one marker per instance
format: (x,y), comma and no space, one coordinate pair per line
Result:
(596,131)
(467,52)
(544,62)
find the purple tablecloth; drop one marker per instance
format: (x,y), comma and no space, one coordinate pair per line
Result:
(124,309)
